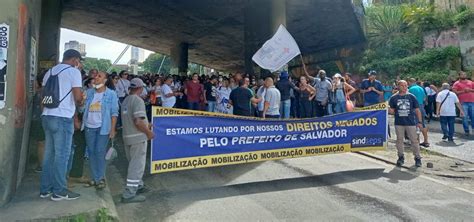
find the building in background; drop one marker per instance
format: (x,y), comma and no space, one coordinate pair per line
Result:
(80,47)
(138,55)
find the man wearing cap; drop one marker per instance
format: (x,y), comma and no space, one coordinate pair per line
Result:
(136,133)
(372,89)
(58,125)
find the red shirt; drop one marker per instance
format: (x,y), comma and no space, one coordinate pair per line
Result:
(464,97)
(195,91)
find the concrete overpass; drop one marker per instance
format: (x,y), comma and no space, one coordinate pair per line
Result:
(218,34)
(222,34)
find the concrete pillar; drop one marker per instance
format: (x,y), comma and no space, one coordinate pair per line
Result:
(50,31)
(23,18)
(179,57)
(262,18)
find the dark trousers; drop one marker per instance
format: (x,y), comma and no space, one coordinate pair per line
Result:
(305,108)
(294,108)
(272,116)
(431,106)
(320,109)
(193,105)
(119,118)
(79,141)
(447,125)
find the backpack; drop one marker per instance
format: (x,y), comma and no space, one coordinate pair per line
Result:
(51,91)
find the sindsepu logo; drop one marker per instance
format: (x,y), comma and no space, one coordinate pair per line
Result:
(367,141)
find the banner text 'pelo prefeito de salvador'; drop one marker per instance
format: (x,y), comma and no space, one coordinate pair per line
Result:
(186,139)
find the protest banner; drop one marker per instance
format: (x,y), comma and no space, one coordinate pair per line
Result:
(277,51)
(186,139)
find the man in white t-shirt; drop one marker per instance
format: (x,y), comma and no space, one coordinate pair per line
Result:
(168,97)
(271,107)
(58,125)
(446,103)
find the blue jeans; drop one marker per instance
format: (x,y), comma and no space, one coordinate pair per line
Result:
(97,145)
(58,142)
(468,109)
(193,105)
(285,109)
(340,107)
(211,106)
(447,125)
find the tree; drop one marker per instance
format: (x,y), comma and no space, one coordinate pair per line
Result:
(153,62)
(384,24)
(94,63)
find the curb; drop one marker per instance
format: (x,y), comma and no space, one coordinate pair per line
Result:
(377,157)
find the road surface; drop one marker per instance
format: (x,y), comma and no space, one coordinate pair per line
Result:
(338,187)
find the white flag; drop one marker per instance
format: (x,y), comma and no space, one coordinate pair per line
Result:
(277,51)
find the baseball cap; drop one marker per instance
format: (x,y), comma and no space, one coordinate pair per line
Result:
(71,53)
(136,83)
(372,73)
(338,75)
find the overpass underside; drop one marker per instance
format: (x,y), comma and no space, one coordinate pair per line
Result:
(220,34)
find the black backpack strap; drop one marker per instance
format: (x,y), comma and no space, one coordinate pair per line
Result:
(71,87)
(444,100)
(61,70)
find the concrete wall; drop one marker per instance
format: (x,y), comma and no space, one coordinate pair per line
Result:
(452,4)
(466,38)
(23,17)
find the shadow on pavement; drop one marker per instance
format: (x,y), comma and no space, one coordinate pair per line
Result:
(161,200)
(449,144)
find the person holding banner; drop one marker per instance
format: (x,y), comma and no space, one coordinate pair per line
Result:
(406,108)
(372,89)
(136,133)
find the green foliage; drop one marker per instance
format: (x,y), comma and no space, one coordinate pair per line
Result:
(384,25)
(425,18)
(94,63)
(153,62)
(103,215)
(464,16)
(429,61)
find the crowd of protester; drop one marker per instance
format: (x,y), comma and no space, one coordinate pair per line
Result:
(96,104)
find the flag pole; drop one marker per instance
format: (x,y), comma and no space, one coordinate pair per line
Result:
(304,66)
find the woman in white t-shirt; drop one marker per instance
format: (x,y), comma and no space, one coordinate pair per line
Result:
(446,103)
(99,120)
(168,97)
(222,97)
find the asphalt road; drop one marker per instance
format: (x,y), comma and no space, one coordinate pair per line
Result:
(339,187)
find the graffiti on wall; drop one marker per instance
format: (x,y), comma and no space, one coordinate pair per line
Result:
(441,39)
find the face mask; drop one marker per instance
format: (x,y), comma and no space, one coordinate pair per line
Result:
(98,86)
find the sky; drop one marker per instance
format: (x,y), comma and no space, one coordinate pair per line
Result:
(97,47)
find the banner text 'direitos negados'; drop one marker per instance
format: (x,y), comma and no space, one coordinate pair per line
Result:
(187,139)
